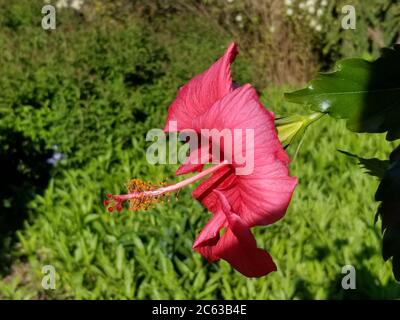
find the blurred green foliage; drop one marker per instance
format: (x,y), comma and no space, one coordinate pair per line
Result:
(377,26)
(289,40)
(93,89)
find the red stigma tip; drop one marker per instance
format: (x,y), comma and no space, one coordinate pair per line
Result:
(119,208)
(110,209)
(106,203)
(109,195)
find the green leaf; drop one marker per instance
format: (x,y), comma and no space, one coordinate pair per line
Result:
(389,211)
(375,167)
(389,189)
(366,94)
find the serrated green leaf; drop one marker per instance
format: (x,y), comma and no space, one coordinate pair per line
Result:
(375,167)
(389,188)
(366,94)
(389,210)
(391,242)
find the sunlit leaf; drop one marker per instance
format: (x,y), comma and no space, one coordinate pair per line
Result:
(366,94)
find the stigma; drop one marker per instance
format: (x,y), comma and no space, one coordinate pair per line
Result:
(143,194)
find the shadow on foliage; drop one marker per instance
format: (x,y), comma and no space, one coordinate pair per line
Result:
(381,113)
(367,284)
(24,173)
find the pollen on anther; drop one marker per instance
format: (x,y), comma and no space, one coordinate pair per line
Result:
(144,199)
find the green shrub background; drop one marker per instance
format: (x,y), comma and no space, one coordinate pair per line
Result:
(90,90)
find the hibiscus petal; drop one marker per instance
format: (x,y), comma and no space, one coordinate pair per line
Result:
(189,167)
(238,249)
(262,196)
(220,179)
(209,237)
(238,246)
(201,92)
(195,161)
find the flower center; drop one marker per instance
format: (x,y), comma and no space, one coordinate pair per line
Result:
(142,194)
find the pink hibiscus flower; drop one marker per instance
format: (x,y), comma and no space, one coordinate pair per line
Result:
(238,202)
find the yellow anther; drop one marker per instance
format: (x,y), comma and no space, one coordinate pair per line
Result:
(145,200)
